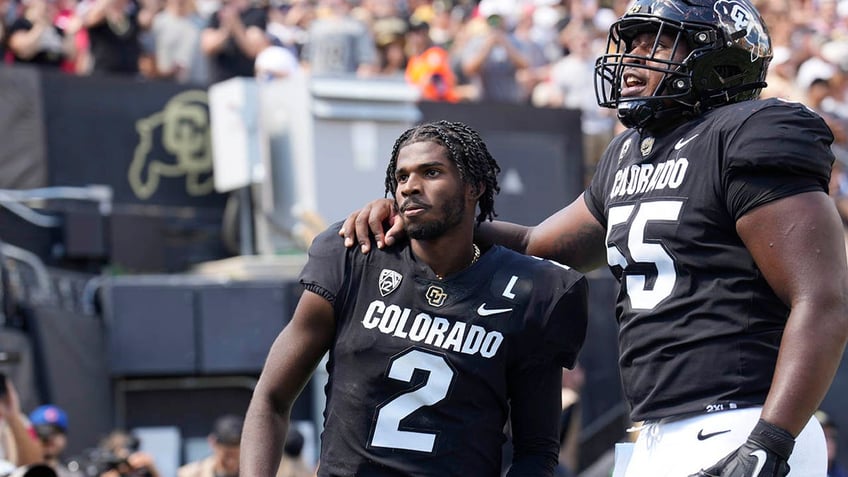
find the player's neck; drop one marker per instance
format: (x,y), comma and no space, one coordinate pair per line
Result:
(446,256)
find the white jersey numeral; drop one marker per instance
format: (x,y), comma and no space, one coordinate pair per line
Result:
(644,250)
(387,431)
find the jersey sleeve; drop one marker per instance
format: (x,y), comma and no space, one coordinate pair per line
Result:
(558,321)
(565,323)
(556,317)
(780,150)
(326,265)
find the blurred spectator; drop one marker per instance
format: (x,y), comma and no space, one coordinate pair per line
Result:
(69,20)
(18,445)
(370,12)
(548,19)
(493,57)
(176,35)
(391,46)
(429,66)
(467,27)
(35,39)
(224,441)
(571,84)
(292,463)
(836,52)
(51,426)
(114,33)
(826,19)
(119,456)
(444,20)
(339,45)
(5,9)
(538,65)
(838,186)
(781,77)
(233,38)
(288,21)
(831,435)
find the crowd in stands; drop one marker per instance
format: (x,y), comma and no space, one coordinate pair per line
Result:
(536,52)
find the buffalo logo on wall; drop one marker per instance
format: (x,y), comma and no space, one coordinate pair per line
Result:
(174,142)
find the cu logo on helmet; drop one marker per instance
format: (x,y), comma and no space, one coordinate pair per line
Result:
(738,16)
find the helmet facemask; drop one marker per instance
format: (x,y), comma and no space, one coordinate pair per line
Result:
(715,59)
(672,95)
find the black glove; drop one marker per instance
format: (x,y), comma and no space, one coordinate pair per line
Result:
(764,454)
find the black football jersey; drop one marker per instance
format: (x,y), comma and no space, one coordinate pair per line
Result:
(699,327)
(424,372)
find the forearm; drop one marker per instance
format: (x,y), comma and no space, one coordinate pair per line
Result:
(29,448)
(263,437)
(473,65)
(239,34)
(25,44)
(507,234)
(572,236)
(96,14)
(68,46)
(518,60)
(291,361)
(810,354)
(213,40)
(248,39)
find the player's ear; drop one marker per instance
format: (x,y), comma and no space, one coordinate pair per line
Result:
(474,191)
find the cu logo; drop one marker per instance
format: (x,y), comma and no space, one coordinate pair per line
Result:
(741,17)
(738,16)
(436,296)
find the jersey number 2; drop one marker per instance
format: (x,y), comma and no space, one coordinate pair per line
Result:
(387,431)
(643,250)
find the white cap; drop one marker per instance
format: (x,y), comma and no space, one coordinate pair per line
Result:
(836,52)
(813,69)
(277,61)
(504,8)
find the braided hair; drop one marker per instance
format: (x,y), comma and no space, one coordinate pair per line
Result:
(465,148)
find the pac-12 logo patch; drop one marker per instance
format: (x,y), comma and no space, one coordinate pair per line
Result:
(389,281)
(625,148)
(436,296)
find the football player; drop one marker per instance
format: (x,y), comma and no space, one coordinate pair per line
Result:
(712,212)
(433,342)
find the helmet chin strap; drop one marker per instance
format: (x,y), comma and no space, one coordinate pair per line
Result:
(655,114)
(636,114)
(644,115)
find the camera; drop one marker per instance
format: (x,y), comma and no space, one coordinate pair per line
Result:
(97,461)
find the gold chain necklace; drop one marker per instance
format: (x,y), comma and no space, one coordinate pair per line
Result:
(473,259)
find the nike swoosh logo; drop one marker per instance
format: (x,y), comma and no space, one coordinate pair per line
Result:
(684,142)
(703,437)
(483,311)
(761,461)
